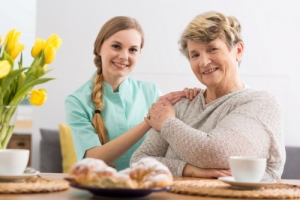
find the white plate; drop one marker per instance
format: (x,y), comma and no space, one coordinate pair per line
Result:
(246,185)
(18,177)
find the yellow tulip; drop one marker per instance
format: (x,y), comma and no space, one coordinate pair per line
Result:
(43,90)
(38,97)
(4,68)
(11,39)
(45,67)
(50,52)
(0,39)
(16,50)
(55,40)
(37,47)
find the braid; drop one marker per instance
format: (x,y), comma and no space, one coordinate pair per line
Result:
(98,122)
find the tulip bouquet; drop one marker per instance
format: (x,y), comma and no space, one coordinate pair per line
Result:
(17,83)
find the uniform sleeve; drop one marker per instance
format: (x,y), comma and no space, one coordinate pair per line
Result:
(156,147)
(83,132)
(159,93)
(251,129)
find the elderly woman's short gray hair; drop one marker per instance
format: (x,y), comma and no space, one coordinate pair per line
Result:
(210,26)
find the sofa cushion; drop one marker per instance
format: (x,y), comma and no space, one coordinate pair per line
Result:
(50,151)
(292,163)
(67,148)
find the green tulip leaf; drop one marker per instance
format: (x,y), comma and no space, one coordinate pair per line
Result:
(25,89)
(7,57)
(10,78)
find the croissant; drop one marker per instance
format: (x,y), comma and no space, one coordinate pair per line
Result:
(96,173)
(150,173)
(146,173)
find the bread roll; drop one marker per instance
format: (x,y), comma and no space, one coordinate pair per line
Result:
(149,173)
(146,173)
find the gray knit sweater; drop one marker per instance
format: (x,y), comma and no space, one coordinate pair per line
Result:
(242,123)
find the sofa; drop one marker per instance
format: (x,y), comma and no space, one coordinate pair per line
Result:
(292,164)
(52,158)
(57,153)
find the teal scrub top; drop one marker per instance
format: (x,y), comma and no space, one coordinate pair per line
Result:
(121,111)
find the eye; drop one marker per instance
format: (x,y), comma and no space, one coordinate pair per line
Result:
(195,55)
(212,49)
(133,50)
(116,46)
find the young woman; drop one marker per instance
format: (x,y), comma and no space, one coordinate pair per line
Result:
(106,113)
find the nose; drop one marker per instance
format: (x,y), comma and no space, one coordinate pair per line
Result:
(204,60)
(123,55)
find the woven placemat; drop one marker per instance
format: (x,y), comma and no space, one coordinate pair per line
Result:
(217,188)
(33,185)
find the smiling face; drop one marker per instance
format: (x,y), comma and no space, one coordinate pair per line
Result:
(119,54)
(214,64)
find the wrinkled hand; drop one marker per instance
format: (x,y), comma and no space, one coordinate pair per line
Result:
(192,171)
(159,113)
(174,97)
(190,93)
(212,173)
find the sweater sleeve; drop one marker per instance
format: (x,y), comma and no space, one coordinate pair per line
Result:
(252,128)
(156,147)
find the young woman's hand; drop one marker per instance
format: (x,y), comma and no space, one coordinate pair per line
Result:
(192,171)
(191,93)
(174,97)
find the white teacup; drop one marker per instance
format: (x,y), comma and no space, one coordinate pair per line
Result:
(247,169)
(13,161)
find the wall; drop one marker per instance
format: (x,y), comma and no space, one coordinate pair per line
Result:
(270,29)
(20,15)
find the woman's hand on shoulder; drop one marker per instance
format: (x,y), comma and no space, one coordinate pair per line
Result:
(174,97)
(192,171)
(191,93)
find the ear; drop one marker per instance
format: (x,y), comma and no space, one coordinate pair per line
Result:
(239,47)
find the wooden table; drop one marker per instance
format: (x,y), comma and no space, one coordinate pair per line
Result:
(76,194)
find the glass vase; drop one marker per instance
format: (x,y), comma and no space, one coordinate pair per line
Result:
(8,116)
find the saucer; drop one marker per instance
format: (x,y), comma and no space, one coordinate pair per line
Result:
(246,185)
(18,177)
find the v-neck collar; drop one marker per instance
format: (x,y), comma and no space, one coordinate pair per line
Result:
(123,87)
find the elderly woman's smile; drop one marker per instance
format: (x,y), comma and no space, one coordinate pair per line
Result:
(210,71)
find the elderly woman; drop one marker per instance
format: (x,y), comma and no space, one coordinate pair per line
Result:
(196,138)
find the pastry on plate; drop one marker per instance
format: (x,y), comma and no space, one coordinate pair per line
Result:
(146,173)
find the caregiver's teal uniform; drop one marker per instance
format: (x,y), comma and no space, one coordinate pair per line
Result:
(122,111)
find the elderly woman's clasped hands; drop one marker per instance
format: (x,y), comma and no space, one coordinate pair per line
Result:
(159,113)
(163,109)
